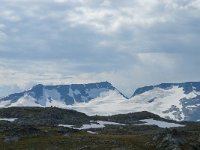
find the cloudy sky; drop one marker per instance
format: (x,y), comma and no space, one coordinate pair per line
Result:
(130,43)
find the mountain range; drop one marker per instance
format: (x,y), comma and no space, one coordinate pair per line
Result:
(177,101)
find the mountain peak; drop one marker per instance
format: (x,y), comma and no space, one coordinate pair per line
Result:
(177,101)
(45,95)
(187,87)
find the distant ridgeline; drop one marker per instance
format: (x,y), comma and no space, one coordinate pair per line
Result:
(178,101)
(68,94)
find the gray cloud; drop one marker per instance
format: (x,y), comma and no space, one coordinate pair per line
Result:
(130,43)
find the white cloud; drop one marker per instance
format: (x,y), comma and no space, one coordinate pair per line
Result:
(71,1)
(157,59)
(195,4)
(109,19)
(106,3)
(2,26)
(2,37)
(10,16)
(129,43)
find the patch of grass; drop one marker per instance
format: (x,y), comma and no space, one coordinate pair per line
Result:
(78,141)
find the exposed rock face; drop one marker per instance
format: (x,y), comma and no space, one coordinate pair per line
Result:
(58,95)
(171,140)
(20,132)
(11,139)
(177,140)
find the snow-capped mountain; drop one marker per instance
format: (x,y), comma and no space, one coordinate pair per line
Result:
(178,101)
(58,95)
(169,100)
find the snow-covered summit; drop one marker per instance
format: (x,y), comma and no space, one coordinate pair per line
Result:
(188,87)
(177,101)
(58,95)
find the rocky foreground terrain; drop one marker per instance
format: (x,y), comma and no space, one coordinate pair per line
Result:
(55,128)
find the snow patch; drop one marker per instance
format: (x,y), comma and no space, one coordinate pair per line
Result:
(4,103)
(71,94)
(161,124)
(97,92)
(107,103)
(94,125)
(8,119)
(27,101)
(55,103)
(91,132)
(66,126)
(191,95)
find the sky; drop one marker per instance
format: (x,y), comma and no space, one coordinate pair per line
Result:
(130,43)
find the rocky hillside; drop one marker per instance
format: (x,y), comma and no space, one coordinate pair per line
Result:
(43,116)
(54,128)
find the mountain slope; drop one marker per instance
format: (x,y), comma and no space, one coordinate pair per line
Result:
(60,95)
(177,101)
(169,100)
(109,103)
